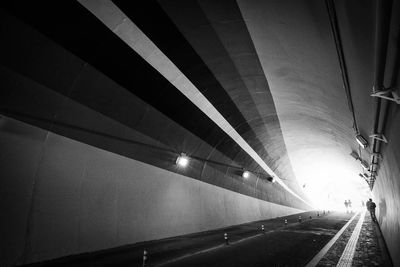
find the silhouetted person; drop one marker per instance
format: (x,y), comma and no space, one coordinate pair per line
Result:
(371,208)
(349,204)
(346,204)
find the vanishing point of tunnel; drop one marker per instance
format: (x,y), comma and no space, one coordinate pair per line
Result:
(200,133)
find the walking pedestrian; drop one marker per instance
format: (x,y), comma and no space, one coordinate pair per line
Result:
(349,205)
(371,208)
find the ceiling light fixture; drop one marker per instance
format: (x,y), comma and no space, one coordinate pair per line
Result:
(355,155)
(182,160)
(361,141)
(272,180)
(245,174)
(364,164)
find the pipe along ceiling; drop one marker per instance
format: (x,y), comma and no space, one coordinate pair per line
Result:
(267,87)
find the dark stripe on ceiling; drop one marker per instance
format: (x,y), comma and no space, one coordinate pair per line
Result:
(156,24)
(95,47)
(151,18)
(72,26)
(89,39)
(38,74)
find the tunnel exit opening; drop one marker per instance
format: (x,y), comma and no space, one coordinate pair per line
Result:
(329,178)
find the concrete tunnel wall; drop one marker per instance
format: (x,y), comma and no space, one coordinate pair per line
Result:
(85,167)
(63,197)
(118,96)
(386,191)
(61,75)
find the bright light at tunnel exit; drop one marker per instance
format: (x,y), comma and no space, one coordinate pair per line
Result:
(330,179)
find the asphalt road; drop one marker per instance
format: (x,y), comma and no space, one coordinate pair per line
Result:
(281,245)
(291,246)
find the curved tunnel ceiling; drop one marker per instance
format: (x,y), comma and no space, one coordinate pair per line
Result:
(264,75)
(117,21)
(265,59)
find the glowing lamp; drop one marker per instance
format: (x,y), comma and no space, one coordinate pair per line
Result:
(182,160)
(245,174)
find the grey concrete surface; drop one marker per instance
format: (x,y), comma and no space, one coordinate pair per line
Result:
(80,198)
(303,240)
(297,245)
(48,86)
(387,189)
(94,113)
(370,250)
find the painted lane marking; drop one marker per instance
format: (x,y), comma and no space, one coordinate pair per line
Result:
(325,249)
(346,259)
(231,243)
(211,249)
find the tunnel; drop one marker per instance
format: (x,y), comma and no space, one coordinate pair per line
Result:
(127,127)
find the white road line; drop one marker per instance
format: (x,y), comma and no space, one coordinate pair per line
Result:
(225,246)
(210,249)
(347,257)
(325,249)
